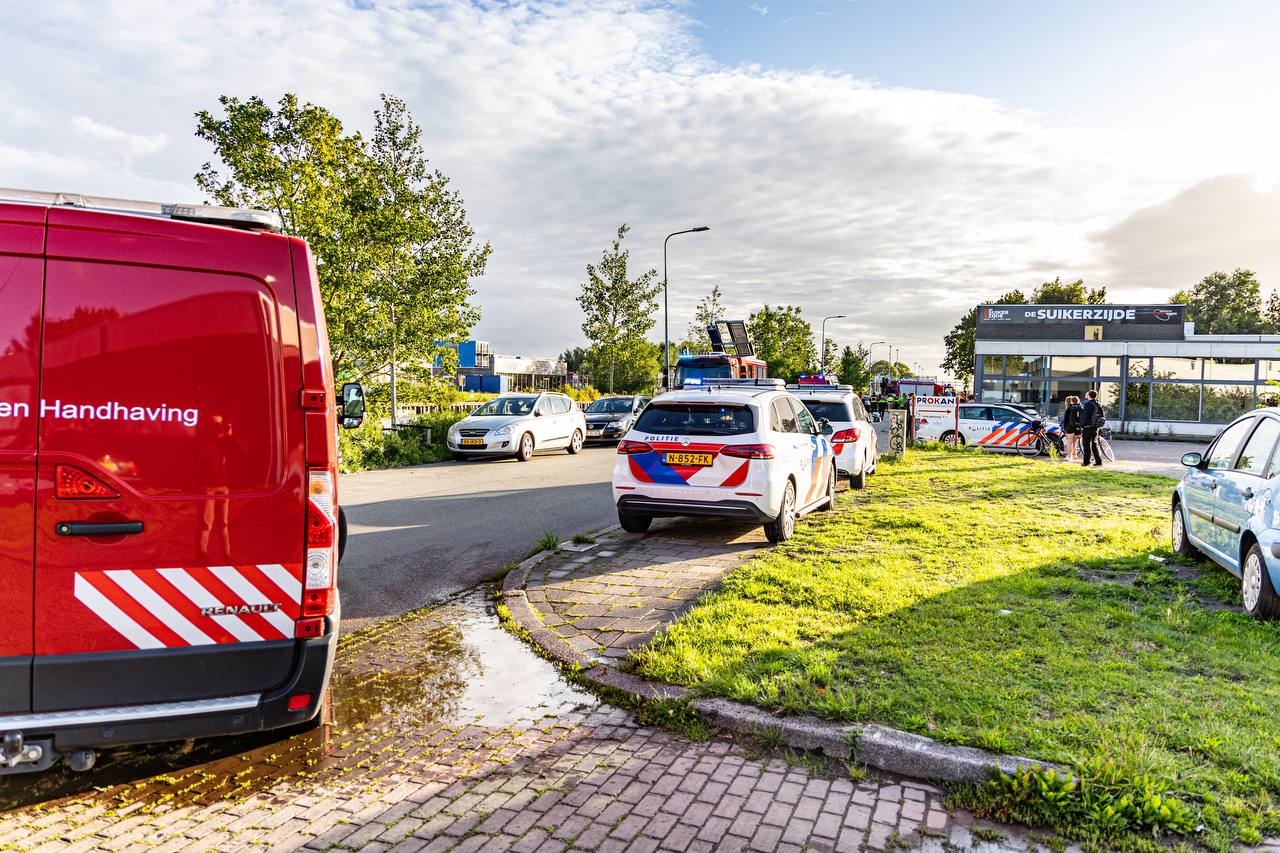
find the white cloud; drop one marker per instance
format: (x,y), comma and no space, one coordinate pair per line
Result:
(898,207)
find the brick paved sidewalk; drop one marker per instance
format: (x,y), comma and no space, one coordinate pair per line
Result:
(610,598)
(449,734)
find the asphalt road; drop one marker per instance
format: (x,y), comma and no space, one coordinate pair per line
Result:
(418,534)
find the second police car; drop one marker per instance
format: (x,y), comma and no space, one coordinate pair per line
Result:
(739,449)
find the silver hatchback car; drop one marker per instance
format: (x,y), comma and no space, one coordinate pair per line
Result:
(519,425)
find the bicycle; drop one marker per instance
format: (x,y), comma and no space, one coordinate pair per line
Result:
(1036,441)
(1104,444)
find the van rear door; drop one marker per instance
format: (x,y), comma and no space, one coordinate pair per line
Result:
(169,528)
(21,278)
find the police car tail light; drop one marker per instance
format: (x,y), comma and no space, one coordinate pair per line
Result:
(629,447)
(748,451)
(845,436)
(319,581)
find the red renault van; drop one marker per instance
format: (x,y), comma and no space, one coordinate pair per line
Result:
(168,477)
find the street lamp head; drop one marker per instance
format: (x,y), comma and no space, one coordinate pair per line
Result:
(701,228)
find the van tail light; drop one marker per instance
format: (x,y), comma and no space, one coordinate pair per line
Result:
(627,448)
(320,581)
(748,451)
(72,484)
(846,436)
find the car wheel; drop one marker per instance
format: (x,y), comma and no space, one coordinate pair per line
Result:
(1259,595)
(953,438)
(858,480)
(832,479)
(781,528)
(524,451)
(575,443)
(342,533)
(633,522)
(1178,534)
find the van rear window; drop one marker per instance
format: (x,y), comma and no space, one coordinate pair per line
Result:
(695,419)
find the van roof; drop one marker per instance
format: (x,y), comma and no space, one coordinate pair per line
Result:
(234,217)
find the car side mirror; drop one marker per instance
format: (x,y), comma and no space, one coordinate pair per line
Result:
(1192,459)
(825,426)
(353,406)
(537,413)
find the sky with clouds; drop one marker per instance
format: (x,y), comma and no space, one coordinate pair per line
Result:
(892,161)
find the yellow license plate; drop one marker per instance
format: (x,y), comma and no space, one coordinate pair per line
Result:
(689,459)
(473,442)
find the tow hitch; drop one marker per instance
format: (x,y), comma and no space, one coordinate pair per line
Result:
(19,755)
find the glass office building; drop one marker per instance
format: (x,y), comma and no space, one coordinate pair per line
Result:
(1153,374)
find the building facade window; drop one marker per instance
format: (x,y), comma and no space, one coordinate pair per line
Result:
(1229,369)
(1173,368)
(1175,401)
(1225,403)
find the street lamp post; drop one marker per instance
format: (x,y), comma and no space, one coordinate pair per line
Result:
(666,311)
(822,355)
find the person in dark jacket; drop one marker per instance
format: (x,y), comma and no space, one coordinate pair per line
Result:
(1094,418)
(1072,424)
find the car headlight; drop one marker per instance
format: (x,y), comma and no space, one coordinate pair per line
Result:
(453,431)
(505,430)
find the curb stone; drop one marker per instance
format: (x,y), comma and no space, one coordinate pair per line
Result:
(881,747)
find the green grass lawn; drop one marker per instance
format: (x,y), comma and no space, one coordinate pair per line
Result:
(1010,604)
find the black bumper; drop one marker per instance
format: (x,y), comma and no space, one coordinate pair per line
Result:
(658,508)
(310,675)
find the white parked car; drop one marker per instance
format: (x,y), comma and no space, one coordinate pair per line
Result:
(519,425)
(854,439)
(740,449)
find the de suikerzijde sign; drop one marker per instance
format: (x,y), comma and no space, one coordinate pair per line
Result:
(1069,322)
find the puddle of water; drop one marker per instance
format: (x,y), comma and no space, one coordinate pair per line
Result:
(404,679)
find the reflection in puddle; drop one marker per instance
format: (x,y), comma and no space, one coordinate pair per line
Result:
(401,682)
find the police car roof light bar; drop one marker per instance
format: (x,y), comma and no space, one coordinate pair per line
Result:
(715,381)
(235,217)
(829,387)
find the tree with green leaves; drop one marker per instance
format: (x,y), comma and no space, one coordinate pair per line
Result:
(574,359)
(784,340)
(1228,304)
(1056,293)
(853,368)
(708,311)
(636,370)
(394,251)
(619,310)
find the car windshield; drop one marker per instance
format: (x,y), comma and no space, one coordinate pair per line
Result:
(832,410)
(695,419)
(610,406)
(713,370)
(507,406)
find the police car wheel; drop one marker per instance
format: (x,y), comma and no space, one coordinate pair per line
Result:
(830,502)
(634,522)
(953,438)
(781,528)
(858,480)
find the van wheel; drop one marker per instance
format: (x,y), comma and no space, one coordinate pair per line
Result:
(951,438)
(633,522)
(1181,542)
(575,443)
(1259,595)
(342,533)
(781,528)
(832,479)
(525,451)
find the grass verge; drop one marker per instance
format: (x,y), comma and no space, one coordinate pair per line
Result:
(1010,604)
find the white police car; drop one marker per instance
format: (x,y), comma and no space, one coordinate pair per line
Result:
(740,449)
(854,440)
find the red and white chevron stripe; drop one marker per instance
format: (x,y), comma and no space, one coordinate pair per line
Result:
(168,608)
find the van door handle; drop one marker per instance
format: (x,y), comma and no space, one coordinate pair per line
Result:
(98,528)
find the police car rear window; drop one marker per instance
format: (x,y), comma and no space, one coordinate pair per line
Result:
(695,419)
(832,410)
